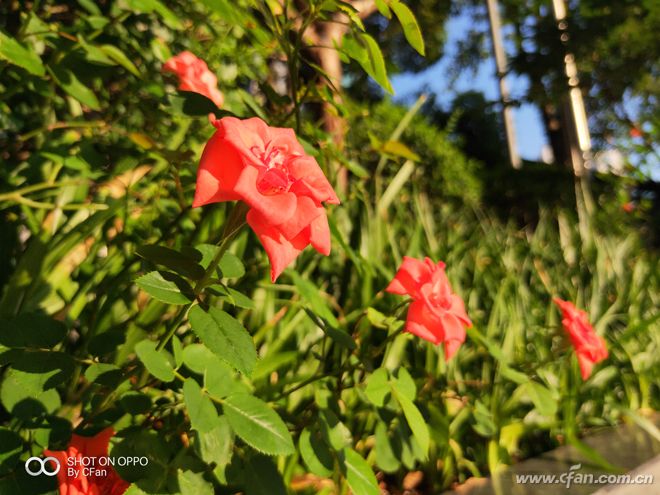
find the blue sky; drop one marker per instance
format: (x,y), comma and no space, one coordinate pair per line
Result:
(529,128)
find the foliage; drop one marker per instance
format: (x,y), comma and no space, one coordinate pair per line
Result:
(121,305)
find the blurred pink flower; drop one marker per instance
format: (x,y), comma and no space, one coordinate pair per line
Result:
(589,346)
(194,75)
(435,314)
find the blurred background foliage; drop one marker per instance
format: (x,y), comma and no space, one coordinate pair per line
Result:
(99,154)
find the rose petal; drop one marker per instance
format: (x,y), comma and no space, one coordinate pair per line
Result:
(409,278)
(218,172)
(306,212)
(319,235)
(281,251)
(275,209)
(421,322)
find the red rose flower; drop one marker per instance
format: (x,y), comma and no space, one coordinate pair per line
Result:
(88,483)
(435,314)
(589,347)
(194,75)
(267,168)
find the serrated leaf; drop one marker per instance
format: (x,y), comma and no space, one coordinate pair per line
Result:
(25,395)
(215,446)
(225,337)
(202,412)
(359,475)
(193,484)
(219,379)
(258,425)
(156,362)
(166,287)
(409,24)
(17,54)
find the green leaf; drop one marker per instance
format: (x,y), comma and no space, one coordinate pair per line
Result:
(177,351)
(31,330)
(262,477)
(215,446)
(386,459)
(365,51)
(409,24)
(192,104)
(68,81)
(335,433)
(219,379)
(193,484)
(315,453)
(120,57)
(225,337)
(320,312)
(358,473)
(11,447)
(202,412)
(542,398)
(232,296)
(104,373)
(156,362)
(485,425)
(26,395)
(405,384)
(258,425)
(135,402)
(166,287)
(414,418)
(149,6)
(230,265)
(179,262)
(17,54)
(383,8)
(378,387)
(397,148)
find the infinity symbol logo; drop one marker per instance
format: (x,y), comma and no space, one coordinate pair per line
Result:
(42,466)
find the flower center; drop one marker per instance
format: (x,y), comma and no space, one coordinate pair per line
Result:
(274,177)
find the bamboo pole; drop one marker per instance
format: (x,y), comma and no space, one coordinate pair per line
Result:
(501,64)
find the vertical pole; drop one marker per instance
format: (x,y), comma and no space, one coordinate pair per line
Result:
(578,132)
(501,64)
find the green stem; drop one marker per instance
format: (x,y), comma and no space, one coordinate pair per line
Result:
(234,224)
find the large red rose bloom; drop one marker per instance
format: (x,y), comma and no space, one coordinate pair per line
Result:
(268,169)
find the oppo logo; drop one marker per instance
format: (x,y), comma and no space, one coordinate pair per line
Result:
(43,466)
